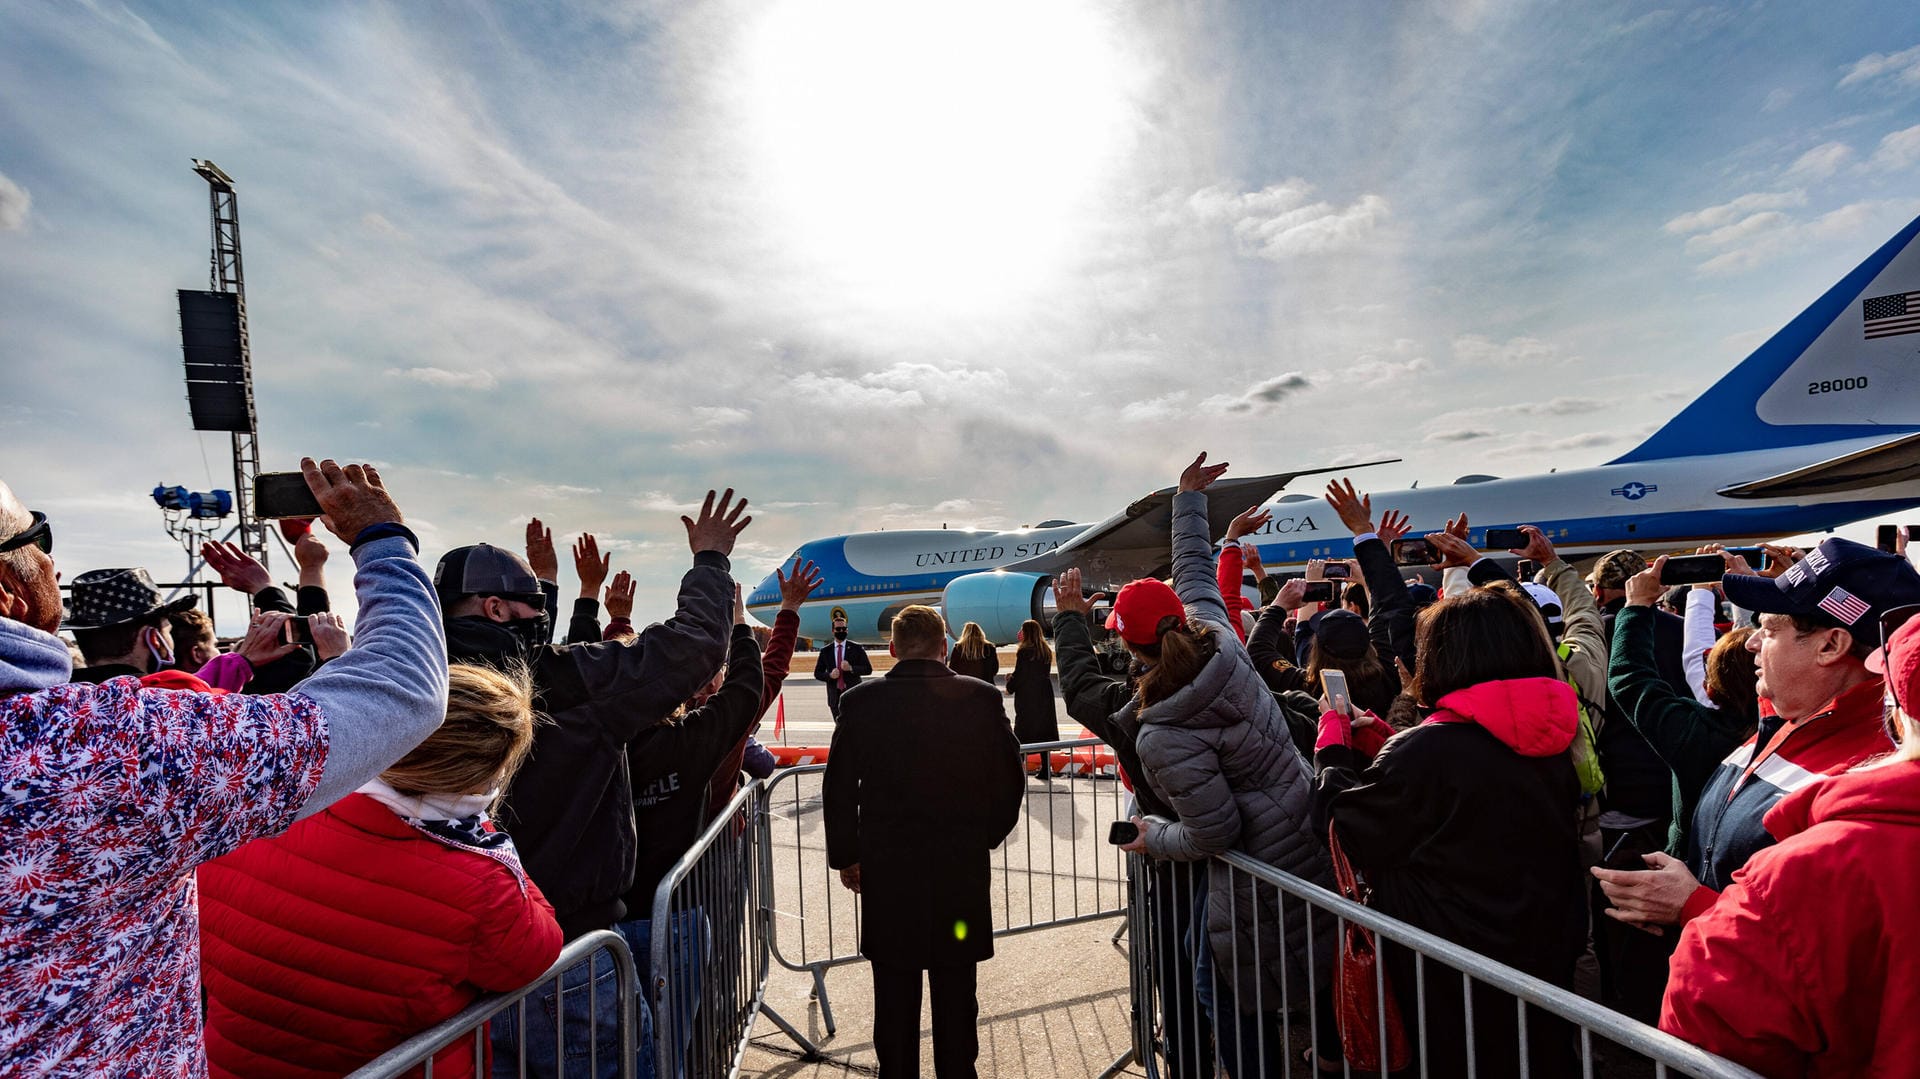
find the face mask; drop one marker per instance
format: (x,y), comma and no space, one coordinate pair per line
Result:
(532,633)
(156,648)
(840,633)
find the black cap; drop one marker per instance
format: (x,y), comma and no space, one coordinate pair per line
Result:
(481,569)
(1842,582)
(1342,634)
(114,597)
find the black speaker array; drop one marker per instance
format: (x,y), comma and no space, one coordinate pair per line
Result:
(217,376)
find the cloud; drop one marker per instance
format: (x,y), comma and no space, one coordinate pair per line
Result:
(1777,99)
(1164,407)
(1529,443)
(1897,150)
(1261,395)
(708,417)
(1726,213)
(1370,371)
(1466,434)
(661,502)
(15,203)
(1902,68)
(559,490)
(1780,236)
(903,385)
(1820,162)
(440,376)
(1278,222)
(1481,351)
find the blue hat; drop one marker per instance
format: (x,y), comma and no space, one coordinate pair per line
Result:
(1844,583)
(1423,595)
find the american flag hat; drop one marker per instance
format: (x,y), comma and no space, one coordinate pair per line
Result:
(1840,583)
(114,597)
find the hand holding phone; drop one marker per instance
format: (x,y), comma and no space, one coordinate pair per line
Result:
(1693,569)
(1333,685)
(1414,552)
(283,494)
(1506,539)
(1122,832)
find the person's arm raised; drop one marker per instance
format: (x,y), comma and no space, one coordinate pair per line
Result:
(387,692)
(1194,577)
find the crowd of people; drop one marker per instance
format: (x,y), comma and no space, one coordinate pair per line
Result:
(282,859)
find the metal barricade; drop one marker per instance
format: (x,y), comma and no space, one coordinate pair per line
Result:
(705,974)
(1552,1030)
(470,1025)
(1055,869)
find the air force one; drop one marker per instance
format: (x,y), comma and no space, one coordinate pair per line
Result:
(1819,427)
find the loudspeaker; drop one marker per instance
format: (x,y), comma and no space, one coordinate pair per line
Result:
(217,376)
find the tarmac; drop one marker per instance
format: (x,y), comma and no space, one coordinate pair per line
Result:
(1053,1001)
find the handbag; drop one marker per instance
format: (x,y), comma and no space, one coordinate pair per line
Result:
(1358,981)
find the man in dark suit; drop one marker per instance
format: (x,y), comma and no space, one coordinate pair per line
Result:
(923,781)
(841,665)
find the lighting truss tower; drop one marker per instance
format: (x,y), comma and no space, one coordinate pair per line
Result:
(227,277)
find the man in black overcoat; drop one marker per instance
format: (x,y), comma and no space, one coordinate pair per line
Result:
(923,781)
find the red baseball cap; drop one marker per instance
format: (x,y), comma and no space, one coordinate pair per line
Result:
(1899,661)
(1140,606)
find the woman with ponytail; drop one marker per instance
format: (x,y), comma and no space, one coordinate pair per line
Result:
(1214,746)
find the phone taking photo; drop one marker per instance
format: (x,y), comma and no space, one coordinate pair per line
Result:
(297,630)
(283,494)
(1336,571)
(1506,539)
(1122,832)
(1887,538)
(1318,592)
(1413,552)
(1334,684)
(1693,569)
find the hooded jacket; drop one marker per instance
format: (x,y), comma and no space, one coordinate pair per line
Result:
(1218,751)
(1467,826)
(1790,974)
(570,808)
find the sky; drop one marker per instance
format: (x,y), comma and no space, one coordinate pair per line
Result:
(887,265)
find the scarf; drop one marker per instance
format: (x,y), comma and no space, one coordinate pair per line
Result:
(459,821)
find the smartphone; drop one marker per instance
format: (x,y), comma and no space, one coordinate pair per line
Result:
(1122,832)
(1755,556)
(1693,569)
(1334,683)
(1525,569)
(1318,592)
(1413,552)
(1625,853)
(1336,571)
(283,494)
(1887,538)
(1505,539)
(297,631)
(1913,533)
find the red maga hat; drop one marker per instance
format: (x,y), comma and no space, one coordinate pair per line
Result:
(1140,606)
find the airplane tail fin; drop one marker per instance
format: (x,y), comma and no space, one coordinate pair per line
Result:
(1846,367)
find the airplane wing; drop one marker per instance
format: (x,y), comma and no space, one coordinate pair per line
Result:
(1894,461)
(1138,541)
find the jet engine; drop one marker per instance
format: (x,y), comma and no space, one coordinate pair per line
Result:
(999,601)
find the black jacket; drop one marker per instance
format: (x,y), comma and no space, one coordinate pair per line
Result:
(1639,782)
(671,763)
(923,781)
(823,670)
(986,668)
(570,808)
(1098,702)
(1031,687)
(283,673)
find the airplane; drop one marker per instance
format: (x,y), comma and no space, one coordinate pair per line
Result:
(1819,427)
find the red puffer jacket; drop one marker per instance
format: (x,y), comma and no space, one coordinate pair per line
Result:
(323,947)
(1810,962)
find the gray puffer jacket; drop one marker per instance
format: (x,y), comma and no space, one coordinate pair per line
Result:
(1219,752)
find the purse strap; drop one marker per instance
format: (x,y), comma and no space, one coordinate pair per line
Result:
(1343,874)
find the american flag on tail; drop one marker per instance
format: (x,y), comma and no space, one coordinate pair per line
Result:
(1891,315)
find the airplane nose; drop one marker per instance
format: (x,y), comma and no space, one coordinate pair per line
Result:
(766,593)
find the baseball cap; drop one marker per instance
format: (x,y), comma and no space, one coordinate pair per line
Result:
(1899,660)
(1842,582)
(481,569)
(1615,567)
(1423,595)
(1140,606)
(1548,601)
(1342,634)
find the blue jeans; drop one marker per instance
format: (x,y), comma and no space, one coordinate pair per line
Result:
(592,1027)
(687,958)
(1249,1044)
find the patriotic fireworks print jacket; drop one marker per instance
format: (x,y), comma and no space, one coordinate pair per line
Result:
(110,795)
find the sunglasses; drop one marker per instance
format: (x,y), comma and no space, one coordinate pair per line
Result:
(39,533)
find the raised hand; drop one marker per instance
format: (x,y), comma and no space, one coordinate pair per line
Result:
(1453,550)
(1067,596)
(1393,525)
(1354,508)
(1250,558)
(1734,563)
(540,553)
(266,639)
(309,552)
(1644,588)
(1539,548)
(1249,521)
(237,568)
(739,605)
(794,590)
(1457,526)
(354,497)
(1200,475)
(1780,559)
(1293,595)
(619,597)
(590,565)
(719,525)
(329,633)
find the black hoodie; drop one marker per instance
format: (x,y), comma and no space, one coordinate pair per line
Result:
(570,808)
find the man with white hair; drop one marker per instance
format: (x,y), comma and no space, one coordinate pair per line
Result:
(112,794)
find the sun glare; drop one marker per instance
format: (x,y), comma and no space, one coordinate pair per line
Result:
(934,157)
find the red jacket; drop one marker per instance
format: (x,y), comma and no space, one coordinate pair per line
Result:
(323,947)
(1229,571)
(1810,962)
